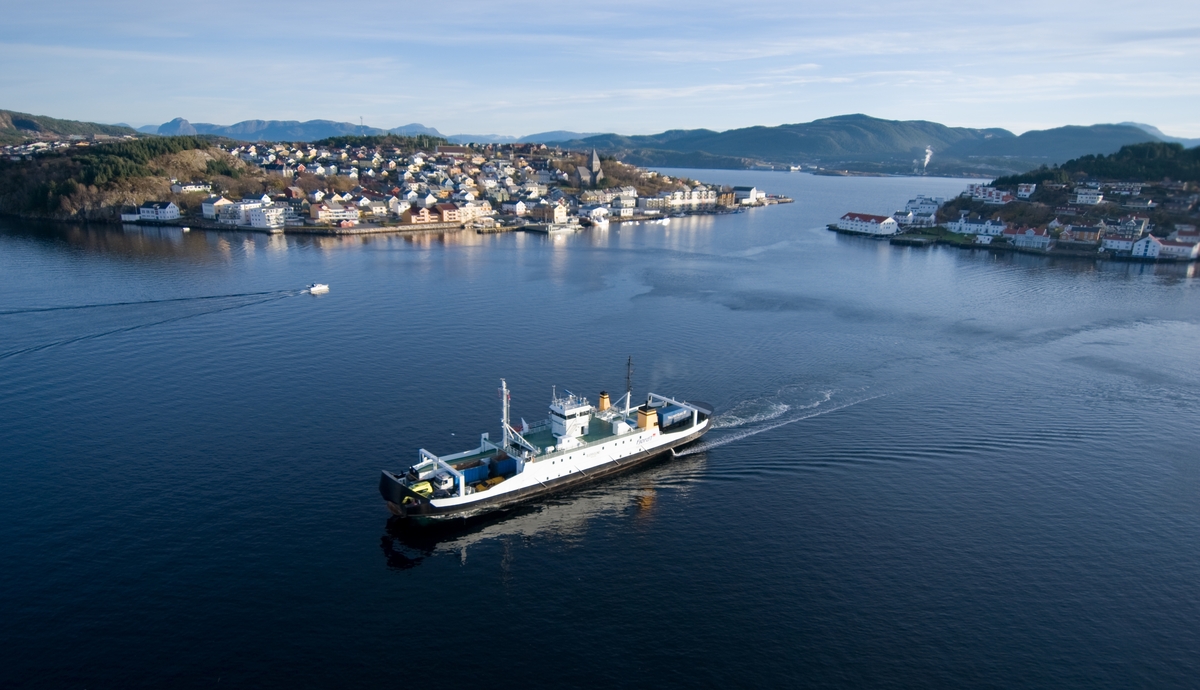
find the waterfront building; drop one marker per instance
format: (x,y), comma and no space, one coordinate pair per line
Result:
(333,212)
(1148,247)
(549,213)
(210,207)
(268,217)
(1117,243)
(1177,249)
(978,226)
(868,224)
(238,212)
(158,211)
(748,195)
(417,215)
(448,213)
(1030,238)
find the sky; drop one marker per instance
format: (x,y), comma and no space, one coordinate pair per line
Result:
(469,67)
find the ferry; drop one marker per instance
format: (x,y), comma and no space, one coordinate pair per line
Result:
(578,443)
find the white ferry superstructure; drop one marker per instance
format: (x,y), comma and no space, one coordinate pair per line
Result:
(578,443)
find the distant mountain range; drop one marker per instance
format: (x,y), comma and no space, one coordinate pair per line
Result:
(1187,143)
(855,143)
(313,130)
(866,144)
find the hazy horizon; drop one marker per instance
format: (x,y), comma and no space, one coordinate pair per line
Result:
(524,67)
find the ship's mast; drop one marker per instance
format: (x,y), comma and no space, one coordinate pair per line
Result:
(628,383)
(504,419)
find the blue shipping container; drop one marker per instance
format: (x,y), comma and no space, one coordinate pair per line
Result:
(475,474)
(504,467)
(672,415)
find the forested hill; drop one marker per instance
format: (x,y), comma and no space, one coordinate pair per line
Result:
(849,136)
(17,127)
(94,182)
(1138,162)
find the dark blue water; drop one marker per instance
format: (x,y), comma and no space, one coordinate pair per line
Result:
(932,467)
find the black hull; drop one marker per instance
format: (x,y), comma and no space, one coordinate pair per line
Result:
(394,492)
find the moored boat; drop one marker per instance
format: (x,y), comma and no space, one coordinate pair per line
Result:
(578,443)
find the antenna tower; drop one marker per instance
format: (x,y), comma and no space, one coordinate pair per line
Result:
(629,375)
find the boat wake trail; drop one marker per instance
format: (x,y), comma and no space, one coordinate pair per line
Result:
(125,329)
(36,310)
(808,413)
(756,411)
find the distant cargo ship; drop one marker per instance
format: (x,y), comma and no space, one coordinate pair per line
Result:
(578,443)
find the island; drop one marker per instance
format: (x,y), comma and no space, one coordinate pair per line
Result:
(346,185)
(1139,204)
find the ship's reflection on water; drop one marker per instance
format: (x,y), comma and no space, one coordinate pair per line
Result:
(631,499)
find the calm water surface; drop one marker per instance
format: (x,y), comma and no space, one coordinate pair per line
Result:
(931,468)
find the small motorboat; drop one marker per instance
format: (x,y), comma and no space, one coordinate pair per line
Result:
(317,289)
(186,229)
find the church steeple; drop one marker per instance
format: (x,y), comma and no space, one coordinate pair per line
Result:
(591,174)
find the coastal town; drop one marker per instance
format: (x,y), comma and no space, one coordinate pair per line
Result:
(1110,219)
(363,186)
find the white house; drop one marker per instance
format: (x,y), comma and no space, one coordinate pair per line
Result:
(1024,191)
(596,214)
(158,210)
(1118,243)
(924,205)
(190,187)
(964,226)
(515,207)
(868,224)
(1030,238)
(1087,196)
(1148,247)
(268,217)
(988,194)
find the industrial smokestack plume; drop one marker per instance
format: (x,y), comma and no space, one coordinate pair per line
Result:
(928,155)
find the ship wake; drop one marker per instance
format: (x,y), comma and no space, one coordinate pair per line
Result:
(753,426)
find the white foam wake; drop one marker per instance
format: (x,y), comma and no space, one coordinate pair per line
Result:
(752,412)
(737,436)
